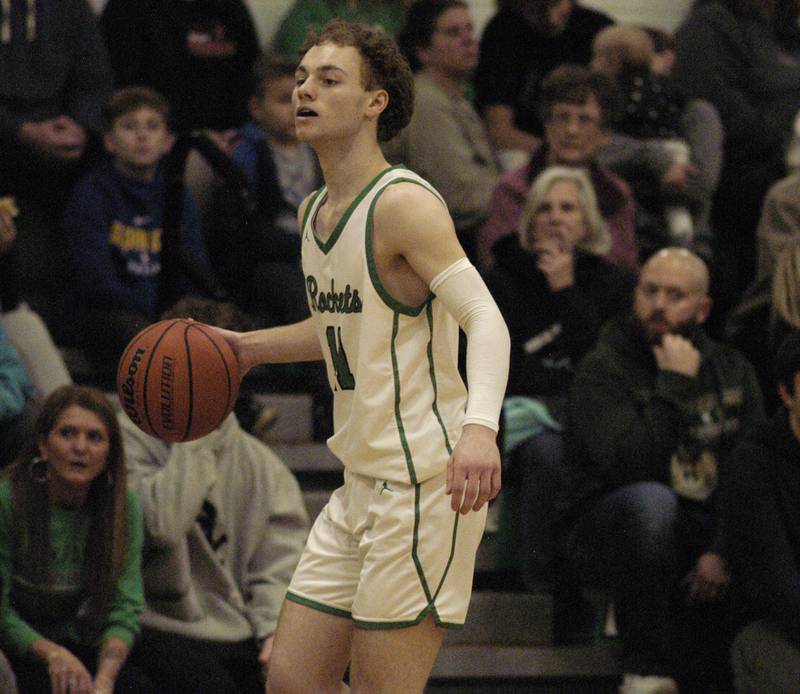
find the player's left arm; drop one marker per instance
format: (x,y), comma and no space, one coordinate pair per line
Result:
(413,224)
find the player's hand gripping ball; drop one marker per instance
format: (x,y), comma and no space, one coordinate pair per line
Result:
(177,380)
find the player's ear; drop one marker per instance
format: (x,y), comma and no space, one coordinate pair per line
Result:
(378,101)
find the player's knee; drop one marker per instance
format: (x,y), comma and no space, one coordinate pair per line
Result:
(284,679)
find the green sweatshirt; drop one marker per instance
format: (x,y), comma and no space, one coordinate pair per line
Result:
(631,422)
(54,611)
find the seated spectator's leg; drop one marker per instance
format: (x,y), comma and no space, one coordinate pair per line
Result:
(537,464)
(8,682)
(134,680)
(240,659)
(28,333)
(627,543)
(31,676)
(765,660)
(179,665)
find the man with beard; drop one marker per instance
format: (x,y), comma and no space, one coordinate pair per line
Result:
(654,412)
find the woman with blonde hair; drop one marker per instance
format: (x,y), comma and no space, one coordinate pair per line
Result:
(553,285)
(555,289)
(70,553)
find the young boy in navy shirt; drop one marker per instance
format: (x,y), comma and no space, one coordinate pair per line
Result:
(113,228)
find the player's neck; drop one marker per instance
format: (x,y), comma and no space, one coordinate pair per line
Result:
(348,167)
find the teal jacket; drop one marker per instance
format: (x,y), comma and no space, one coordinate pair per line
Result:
(630,422)
(53,611)
(15,385)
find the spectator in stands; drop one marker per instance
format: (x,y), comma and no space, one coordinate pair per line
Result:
(446,141)
(768,312)
(673,196)
(577,107)
(520,46)
(70,548)
(17,402)
(655,410)
(779,224)
(663,60)
(54,80)
(257,251)
(734,53)
(311,15)
(762,516)
(113,227)
(197,53)
(225,524)
(17,410)
(555,291)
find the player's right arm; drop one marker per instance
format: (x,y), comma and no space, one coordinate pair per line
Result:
(278,345)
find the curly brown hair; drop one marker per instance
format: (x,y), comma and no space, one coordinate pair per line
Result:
(385,67)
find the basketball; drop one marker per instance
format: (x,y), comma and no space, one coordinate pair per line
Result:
(177,380)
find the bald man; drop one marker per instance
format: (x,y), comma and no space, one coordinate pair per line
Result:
(654,411)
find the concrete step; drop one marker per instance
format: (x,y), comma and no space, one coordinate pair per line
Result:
(506,619)
(307,457)
(294,422)
(488,662)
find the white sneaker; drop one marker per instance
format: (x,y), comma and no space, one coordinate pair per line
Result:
(647,684)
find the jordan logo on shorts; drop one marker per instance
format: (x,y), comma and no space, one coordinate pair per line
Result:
(385,488)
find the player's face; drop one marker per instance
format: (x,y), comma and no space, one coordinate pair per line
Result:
(669,299)
(454,48)
(329,99)
(138,140)
(574,132)
(560,216)
(76,450)
(274,112)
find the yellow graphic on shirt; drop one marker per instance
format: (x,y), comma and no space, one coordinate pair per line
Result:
(694,477)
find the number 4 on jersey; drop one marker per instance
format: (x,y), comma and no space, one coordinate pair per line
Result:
(344,376)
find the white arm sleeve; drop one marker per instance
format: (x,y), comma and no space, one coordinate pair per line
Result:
(464,294)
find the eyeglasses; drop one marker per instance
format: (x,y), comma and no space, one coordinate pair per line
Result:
(565,118)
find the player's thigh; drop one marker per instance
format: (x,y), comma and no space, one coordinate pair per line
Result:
(394,660)
(311,651)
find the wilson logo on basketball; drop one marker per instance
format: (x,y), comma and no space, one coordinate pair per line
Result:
(167,384)
(178,379)
(127,389)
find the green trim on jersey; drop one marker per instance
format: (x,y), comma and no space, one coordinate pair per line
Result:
(415,556)
(397,417)
(432,371)
(385,626)
(310,206)
(383,293)
(313,604)
(340,225)
(450,558)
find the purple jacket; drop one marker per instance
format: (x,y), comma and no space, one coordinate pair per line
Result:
(613,196)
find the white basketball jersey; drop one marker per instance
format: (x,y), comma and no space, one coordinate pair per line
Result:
(398,397)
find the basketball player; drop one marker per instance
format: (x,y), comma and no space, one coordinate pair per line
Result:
(389,562)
